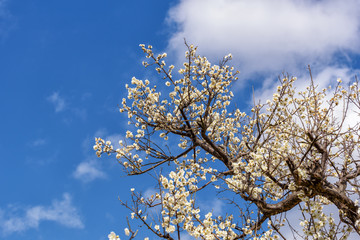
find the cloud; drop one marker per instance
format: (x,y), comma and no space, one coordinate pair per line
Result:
(3,11)
(61,105)
(266,36)
(215,206)
(113,138)
(38,142)
(88,171)
(323,79)
(59,102)
(295,215)
(6,19)
(60,211)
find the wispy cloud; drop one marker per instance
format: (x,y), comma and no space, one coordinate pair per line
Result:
(60,211)
(88,171)
(3,11)
(38,142)
(267,36)
(113,138)
(66,104)
(6,19)
(57,101)
(215,206)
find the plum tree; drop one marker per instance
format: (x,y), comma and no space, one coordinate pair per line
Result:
(297,153)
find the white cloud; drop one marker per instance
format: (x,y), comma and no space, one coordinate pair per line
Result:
(114,139)
(60,211)
(88,171)
(215,206)
(38,142)
(3,12)
(6,19)
(267,36)
(59,102)
(323,79)
(294,216)
(186,236)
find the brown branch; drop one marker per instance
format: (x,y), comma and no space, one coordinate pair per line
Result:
(164,161)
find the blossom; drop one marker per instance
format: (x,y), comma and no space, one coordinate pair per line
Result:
(113,236)
(127,231)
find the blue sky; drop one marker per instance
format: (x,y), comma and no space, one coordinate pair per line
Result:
(64,65)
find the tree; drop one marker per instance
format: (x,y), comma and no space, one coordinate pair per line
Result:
(298,152)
